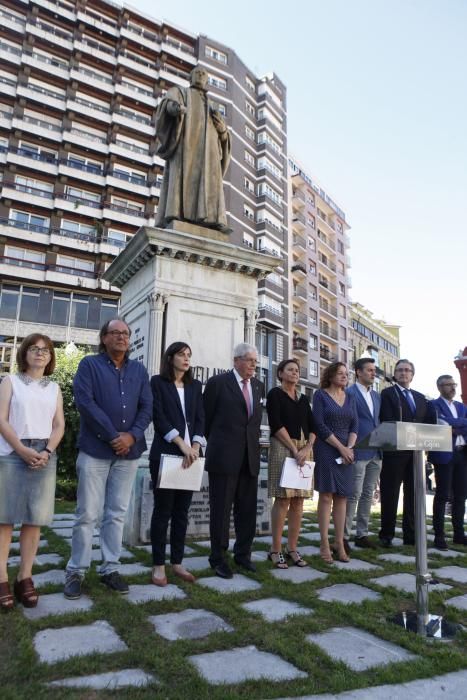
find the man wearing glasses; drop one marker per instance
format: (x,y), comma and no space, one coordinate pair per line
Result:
(114,400)
(400,403)
(450,467)
(233,411)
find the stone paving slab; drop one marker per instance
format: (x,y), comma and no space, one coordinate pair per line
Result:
(267,539)
(133,569)
(63,524)
(14,546)
(397,558)
(311,536)
(237,584)
(243,664)
(196,563)
(446,554)
(347,593)
(54,645)
(53,576)
(358,649)
(40,560)
(275,609)
(405,583)
(64,516)
(113,680)
(188,624)
(57,604)
(62,532)
(259,555)
(455,573)
(297,574)
(397,541)
(142,593)
(309,550)
(451,685)
(459,601)
(356,565)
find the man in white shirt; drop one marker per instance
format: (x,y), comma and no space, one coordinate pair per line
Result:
(367,465)
(450,467)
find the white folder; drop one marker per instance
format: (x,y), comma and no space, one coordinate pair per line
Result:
(172,476)
(295,477)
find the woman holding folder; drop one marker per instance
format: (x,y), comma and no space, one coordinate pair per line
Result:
(178,430)
(292,434)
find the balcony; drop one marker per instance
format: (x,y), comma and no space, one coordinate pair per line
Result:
(303,372)
(128,183)
(326,240)
(29,159)
(273,287)
(102,25)
(46,63)
(266,226)
(298,221)
(328,308)
(39,127)
(62,274)
(142,124)
(85,242)
(125,215)
(299,242)
(180,49)
(5,119)
(92,79)
(330,286)
(8,267)
(327,330)
(300,319)
(82,206)
(298,195)
(326,354)
(36,93)
(325,261)
(50,34)
(10,54)
(90,110)
(87,141)
(136,93)
(141,36)
(270,316)
(58,8)
(300,344)
(28,195)
(300,291)
(126,150)
(174,75)
(88,173)
(23,230)
(7,86)
(298,269)
(10,21)
(97,50)
(138,65)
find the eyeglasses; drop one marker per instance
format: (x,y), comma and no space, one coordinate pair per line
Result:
(453,384)
(249,360)
(39,351)
(118,334)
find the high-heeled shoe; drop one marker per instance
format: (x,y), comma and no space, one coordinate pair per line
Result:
(6,598)
(341,553)
(325,553)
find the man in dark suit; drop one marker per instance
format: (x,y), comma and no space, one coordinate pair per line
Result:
(233,411)
(367,465)
(450,467)
(400,403)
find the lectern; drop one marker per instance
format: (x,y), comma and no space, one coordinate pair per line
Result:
(395,436)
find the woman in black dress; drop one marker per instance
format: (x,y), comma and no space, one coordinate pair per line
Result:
(178,430)
(292,435)
(336,423)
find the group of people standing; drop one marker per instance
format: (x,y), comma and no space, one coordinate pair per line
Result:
(116,402)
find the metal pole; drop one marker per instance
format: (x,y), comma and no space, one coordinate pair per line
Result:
(423,577)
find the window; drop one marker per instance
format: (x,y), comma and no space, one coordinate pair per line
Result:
(312,243)
(250,84)
(78,228)
(117,237)
(310,199)
(248,240)
(75,263)
(311,221)
(127,204)
(249,159)
(9,301)
(270,167)
(29,309)
(31,222)
(342,289)
(342,311)
(313,342)
(32,150)
(264,216)
(264,137)
(220,106)
(109,310)
(343,332)
(32,186)
(28,255)
(91,166)
(248,212)
(249,133)
(217,82)
(77,195)
(79,311)
(313,368)
(313,317)
(60,308)
(312,268)
(215,54)
(313,291)
(340,247)
(340,267)
(266,190)
(249,108)
(248,185)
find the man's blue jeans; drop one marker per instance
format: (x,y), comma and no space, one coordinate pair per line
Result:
(104,490)
(366,473)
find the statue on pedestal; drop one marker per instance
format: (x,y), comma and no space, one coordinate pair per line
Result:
(194,141)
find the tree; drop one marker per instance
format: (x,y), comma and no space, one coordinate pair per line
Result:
(68,358)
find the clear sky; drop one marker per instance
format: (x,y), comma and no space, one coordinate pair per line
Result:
(377,112)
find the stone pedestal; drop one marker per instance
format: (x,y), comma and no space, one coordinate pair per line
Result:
(191,284)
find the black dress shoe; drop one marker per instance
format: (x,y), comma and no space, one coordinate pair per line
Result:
(245,564)
(364,543)
(441,544)
(222,569)
(385,542)
(460,540)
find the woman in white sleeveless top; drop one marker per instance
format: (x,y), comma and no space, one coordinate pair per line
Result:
(31,427)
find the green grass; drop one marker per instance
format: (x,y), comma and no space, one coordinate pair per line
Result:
(21,676)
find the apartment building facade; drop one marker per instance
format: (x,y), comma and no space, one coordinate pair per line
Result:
(371,337)
(320,282)
(79,86)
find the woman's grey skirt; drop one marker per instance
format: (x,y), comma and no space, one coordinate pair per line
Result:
(27,496)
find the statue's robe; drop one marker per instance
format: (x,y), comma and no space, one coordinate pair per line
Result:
(196,158)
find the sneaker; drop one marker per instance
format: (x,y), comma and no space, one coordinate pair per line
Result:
(72,589)
(115,582)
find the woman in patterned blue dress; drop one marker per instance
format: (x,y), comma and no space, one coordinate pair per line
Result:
(336,425)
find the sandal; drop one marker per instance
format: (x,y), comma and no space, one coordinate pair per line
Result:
(296,557)
(341,554)
(278,560)
(325,554)
(25,592)
(6,599)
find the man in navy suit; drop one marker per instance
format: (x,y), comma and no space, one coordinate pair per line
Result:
(233,411)
(400,403)
(450,467)
(367,465)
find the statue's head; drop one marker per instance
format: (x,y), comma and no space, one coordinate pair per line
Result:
(199,77)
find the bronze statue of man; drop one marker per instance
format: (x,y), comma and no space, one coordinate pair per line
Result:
(194,141)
